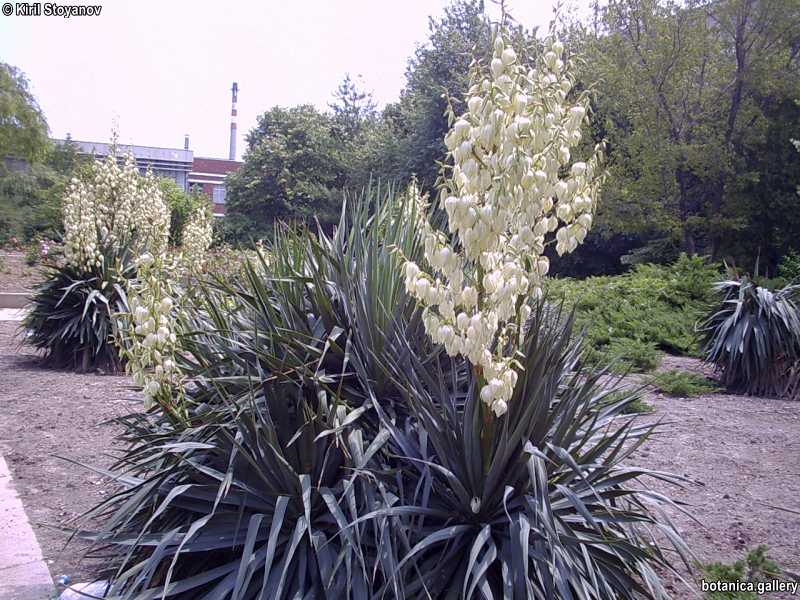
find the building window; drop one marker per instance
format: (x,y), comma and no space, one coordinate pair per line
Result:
(219,194)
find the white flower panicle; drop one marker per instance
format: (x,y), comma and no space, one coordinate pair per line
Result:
(513,188)
(150,342)
(115,208)
(196,238)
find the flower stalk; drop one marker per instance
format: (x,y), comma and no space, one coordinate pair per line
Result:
(511,189)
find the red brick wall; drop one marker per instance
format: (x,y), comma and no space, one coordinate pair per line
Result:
(215,165)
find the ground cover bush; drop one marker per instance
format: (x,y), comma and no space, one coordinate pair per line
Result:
(681,384)
(633,402)
(754,568)
(654,305)
(752,337)
(789,267)
(631,355)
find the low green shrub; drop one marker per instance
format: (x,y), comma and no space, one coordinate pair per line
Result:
(752,336)
(789,267)
(656,304)
(632,402)
(756,567)
(681,384)
(632,355)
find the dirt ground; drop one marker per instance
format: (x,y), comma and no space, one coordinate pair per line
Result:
(743,452)
(15,275)
(45,414)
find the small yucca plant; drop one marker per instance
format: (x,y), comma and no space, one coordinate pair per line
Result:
(111,214)
(753,338)
(71,314)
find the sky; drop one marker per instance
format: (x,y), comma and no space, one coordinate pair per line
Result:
(160,70)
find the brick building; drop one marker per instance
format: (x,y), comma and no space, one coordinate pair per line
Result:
(209,175)
(179,164)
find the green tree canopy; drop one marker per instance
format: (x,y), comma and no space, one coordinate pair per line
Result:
(23,128)
(689,94)
(292,169)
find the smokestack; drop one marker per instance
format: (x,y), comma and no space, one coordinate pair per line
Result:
(186,142)
(234,92)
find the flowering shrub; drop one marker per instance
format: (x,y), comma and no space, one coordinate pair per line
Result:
(197,237)
(329,449)
(511,185)
(109,218)
(116,208)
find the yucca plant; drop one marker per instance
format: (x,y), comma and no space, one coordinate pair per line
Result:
(553,513)
(331,451)
(71,313)
(112,215)
(268,463)
(753,338)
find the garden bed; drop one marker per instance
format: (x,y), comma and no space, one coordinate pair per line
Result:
(743,450)
(15,274)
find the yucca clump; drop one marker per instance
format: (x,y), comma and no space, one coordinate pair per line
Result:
(109,218)
(753,338)
(330,449)
(330,446)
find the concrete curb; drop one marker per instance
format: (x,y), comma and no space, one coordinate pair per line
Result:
(14,299)
(23,572)
(12,314)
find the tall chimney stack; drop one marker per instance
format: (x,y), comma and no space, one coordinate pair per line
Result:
(234,92)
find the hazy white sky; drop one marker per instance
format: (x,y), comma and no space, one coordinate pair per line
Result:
(163,69)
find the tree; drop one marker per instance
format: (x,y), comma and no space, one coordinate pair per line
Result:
(181,206)
(30,194)
(356,128)
(352,109)
(292,170)
(23,128)
(437,71)
(686,90)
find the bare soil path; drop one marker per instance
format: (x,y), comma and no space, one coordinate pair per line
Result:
(15,274)
(745,455)
(45,414)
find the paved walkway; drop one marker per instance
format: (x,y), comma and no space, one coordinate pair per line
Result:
(23,572)
(11,314)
